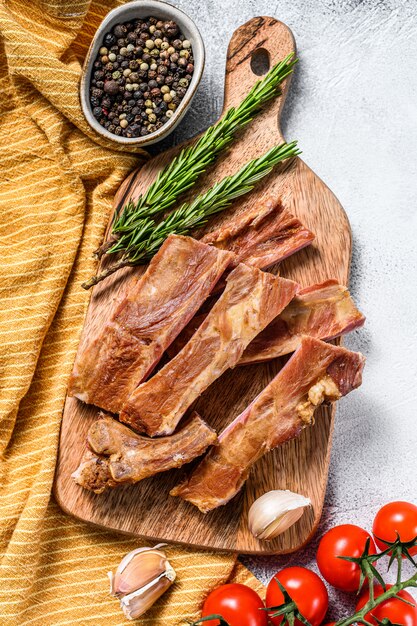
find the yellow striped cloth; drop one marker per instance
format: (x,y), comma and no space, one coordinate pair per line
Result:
(57,183)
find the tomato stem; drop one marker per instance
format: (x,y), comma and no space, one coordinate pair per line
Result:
(389,593)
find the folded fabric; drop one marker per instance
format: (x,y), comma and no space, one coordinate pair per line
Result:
(57,183)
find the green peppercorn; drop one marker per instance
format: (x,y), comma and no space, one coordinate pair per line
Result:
(165,89)
(167,97)
(148,103)
(103,51)
(116,75)
(152,117)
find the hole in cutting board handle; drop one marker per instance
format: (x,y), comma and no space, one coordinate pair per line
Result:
(260,61)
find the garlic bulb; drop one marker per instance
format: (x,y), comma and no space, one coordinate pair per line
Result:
(141,578)
(274,512)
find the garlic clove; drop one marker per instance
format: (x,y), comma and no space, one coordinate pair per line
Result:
(274,512)
(137,603)
(141,578)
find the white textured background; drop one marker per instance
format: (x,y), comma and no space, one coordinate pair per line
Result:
(353,109)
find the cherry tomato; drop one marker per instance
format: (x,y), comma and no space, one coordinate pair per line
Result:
(393,609)
(305,588)
(238,604)
(396,517)
(343,540)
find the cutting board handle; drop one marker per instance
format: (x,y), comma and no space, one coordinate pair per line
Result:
(253,49)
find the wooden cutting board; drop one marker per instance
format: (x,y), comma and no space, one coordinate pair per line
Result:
(146,509)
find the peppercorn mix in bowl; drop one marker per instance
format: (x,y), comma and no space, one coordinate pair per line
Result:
(141,72)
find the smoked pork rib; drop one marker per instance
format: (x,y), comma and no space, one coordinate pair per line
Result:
(324,311)
(262,236)
(116,455)
(316,372)
(178,280)
(252,298)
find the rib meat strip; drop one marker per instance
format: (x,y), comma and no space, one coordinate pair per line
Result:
(317,372)
(252,298)
(324,311)
(116,455)
(262,236)
(178,280)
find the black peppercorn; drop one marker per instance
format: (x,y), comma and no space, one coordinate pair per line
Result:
(119,30)
(97,112)
(99,74)
(109,39)
(111,87)
(94,102)
(131,37)
(170,29)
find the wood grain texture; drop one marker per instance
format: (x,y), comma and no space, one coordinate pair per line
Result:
(301,465)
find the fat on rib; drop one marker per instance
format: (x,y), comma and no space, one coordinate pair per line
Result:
(252,298)
(324,311)
(317,372)
(178,280)
(115,455)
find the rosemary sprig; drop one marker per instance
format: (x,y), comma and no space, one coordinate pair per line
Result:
(183,171)
(190,216)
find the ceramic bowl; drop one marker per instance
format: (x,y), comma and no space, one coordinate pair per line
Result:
(125,13)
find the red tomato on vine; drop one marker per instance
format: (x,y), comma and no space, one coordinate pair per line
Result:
(343,540)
